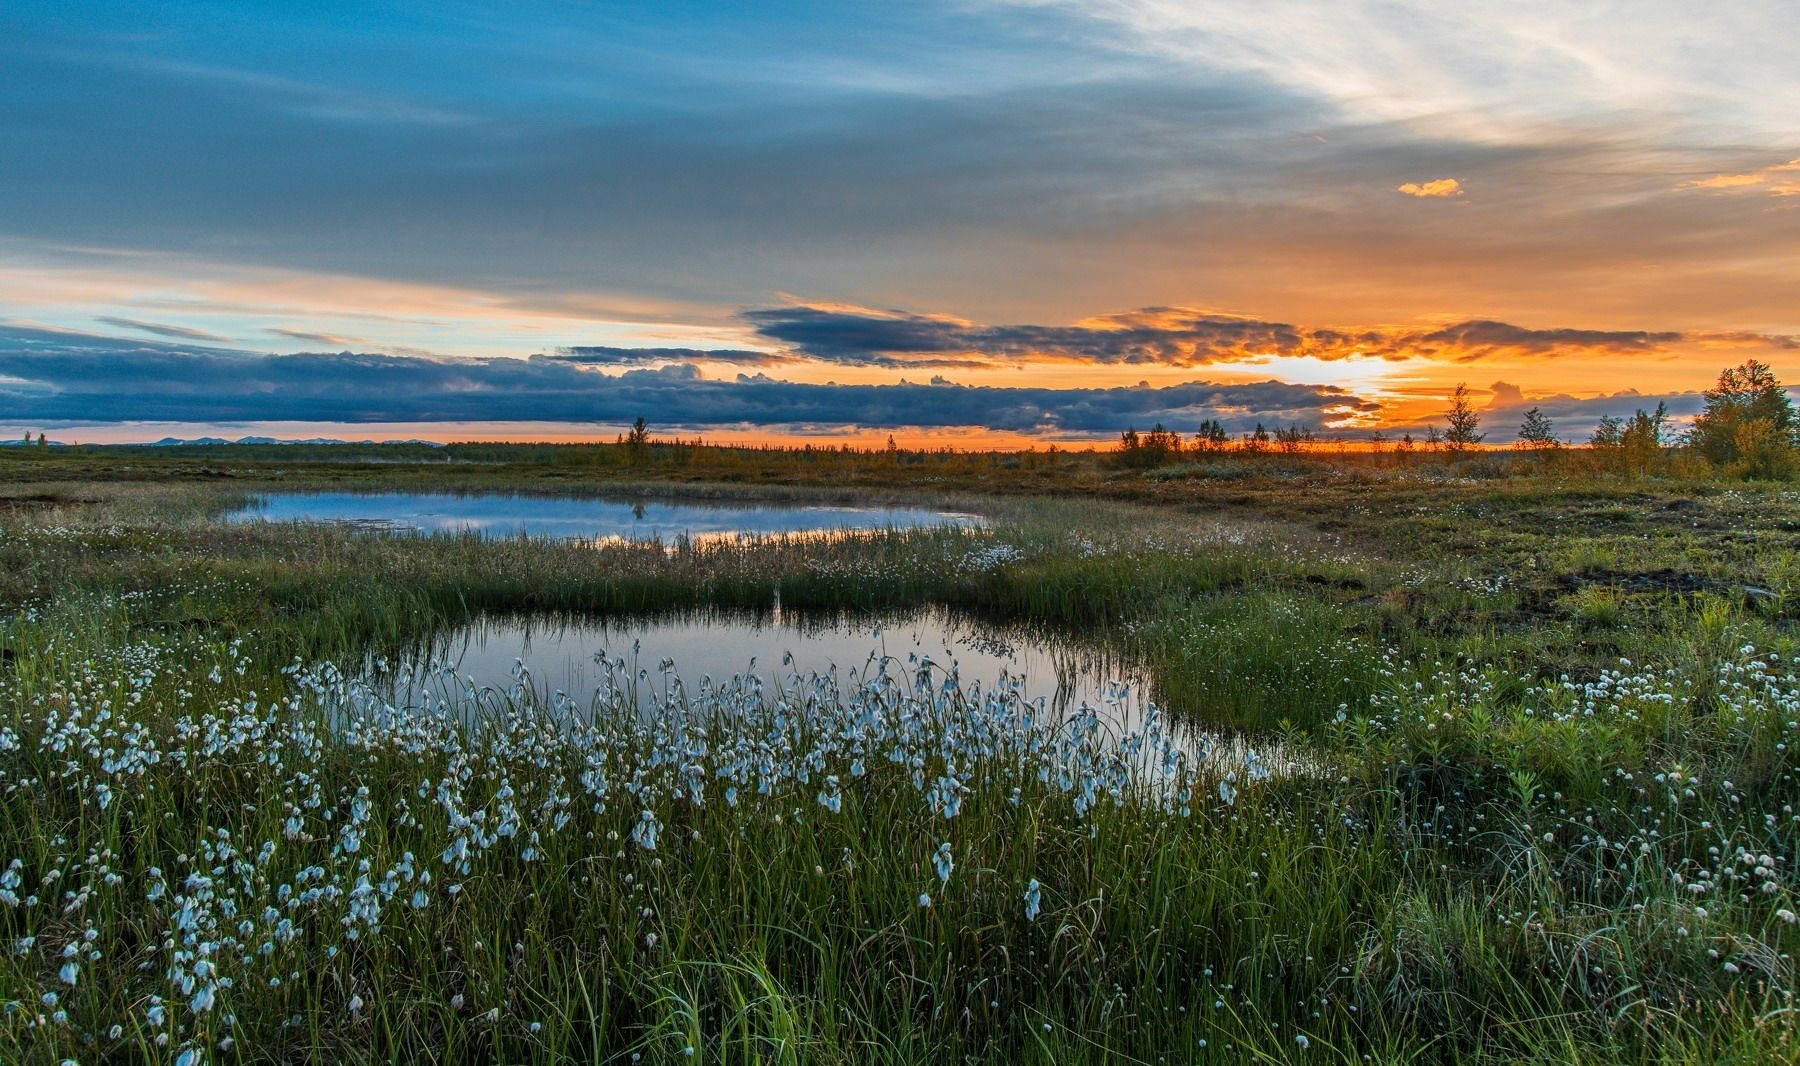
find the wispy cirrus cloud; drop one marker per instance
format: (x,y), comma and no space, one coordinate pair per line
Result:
(161,329)
(604,355)
(310,337)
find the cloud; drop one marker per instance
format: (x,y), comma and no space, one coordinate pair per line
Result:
(1169,336)
(1480,339)
(1009,164)
(1778,179)
(311,338)
(1477,69)
(72,377)
(601,355)
(176,332)
(1184,337)
(1437,189)
(1506,394)
(1574,418)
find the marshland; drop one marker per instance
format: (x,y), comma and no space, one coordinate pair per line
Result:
(1374,758)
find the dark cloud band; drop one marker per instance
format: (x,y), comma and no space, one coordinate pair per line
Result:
(1179,336)
(49,376)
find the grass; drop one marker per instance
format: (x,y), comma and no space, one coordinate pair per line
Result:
(1546,809)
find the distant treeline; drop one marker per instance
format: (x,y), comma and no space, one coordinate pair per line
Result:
(1747,429)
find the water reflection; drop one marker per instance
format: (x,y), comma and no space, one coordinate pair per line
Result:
(580,518)
(700,651)
(574,668)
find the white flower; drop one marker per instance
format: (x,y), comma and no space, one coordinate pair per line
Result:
(924,899)
(644,832)
(1033,896)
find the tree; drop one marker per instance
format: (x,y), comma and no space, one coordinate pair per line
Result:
(1465,423)
(1746,396)
(1211,436)
(1163,443)
(1607,433)
(1537,433)
(1762,452)
(1291,439)
(1641,440)
(1149,449)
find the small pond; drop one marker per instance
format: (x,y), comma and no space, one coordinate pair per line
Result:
(711,647)
(573,664)
(580,517)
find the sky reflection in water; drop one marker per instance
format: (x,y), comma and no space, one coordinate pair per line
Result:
(580,518)
(777,646)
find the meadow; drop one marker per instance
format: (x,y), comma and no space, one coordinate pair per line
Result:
(1545,810)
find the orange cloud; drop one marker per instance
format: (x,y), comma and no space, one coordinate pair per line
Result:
(1776,179)
(1438,189)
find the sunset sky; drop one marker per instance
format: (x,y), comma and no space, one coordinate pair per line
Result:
(1015,221)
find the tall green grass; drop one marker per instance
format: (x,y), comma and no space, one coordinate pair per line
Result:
(1470,858)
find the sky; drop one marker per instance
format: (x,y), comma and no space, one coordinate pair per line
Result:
(1013,221)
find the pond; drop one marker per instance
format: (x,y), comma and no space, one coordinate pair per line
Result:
(581,517)
(567,666)
(779,648)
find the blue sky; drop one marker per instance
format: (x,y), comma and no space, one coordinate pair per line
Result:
(462,181)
